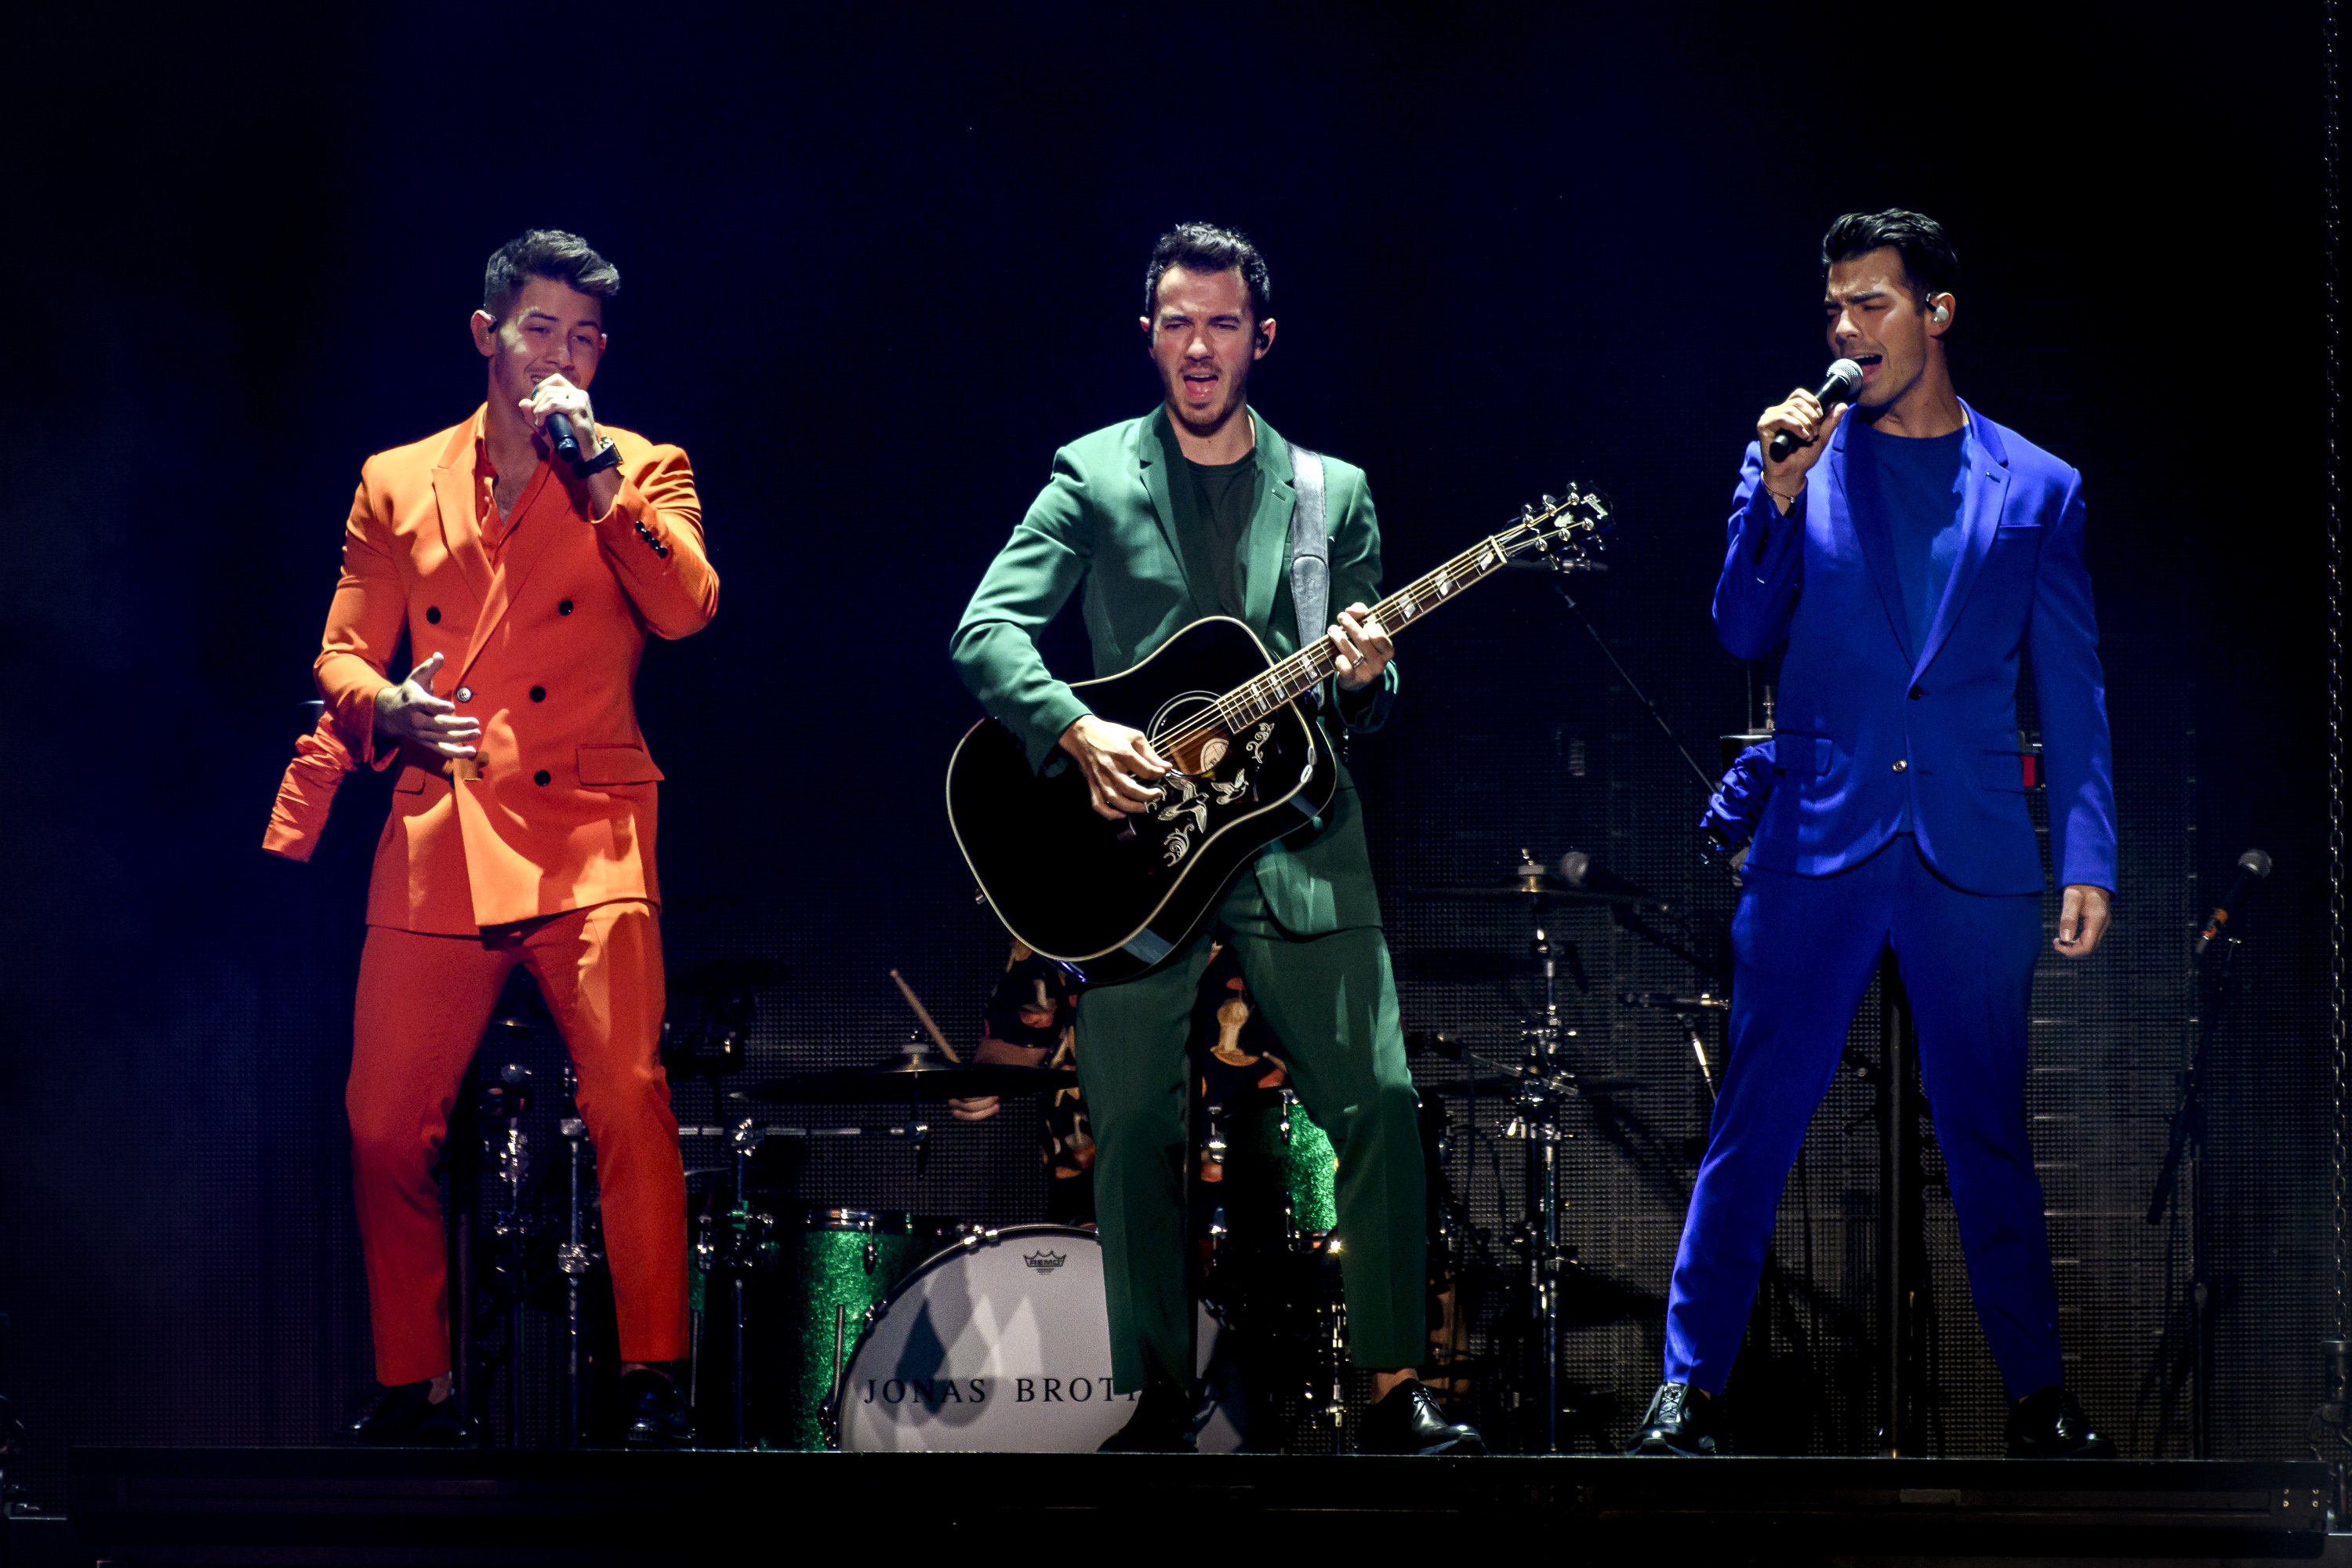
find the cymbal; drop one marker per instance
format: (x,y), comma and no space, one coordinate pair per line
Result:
(911,1078)
(1546,889)
(1503,1082)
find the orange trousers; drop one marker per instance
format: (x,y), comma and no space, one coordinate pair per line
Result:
(423,1003)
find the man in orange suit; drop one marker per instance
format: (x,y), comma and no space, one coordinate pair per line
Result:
(524,814)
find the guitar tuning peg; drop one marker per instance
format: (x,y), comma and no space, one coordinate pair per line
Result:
(1551,503)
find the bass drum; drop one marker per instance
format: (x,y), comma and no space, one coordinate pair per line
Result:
(998,1344)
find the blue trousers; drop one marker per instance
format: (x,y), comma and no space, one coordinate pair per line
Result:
(1803,948)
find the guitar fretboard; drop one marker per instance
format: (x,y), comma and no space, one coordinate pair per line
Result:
(1307,669)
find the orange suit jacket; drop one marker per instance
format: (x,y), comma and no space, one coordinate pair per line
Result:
(557,809)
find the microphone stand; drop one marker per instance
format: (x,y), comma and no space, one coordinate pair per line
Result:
(2184,1162)
(1560,587)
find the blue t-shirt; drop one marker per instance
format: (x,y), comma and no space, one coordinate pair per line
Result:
(1915,486)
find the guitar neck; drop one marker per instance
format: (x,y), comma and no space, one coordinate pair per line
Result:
(1307,668)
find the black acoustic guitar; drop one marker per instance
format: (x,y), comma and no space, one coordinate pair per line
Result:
(1111,899)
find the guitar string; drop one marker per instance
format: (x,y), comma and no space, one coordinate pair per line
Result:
(1253,699)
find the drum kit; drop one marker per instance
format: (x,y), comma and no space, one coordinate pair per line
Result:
(821,1327)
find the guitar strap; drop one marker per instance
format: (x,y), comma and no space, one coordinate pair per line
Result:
(1310,547)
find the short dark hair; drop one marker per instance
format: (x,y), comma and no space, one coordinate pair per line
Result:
(1928,264)
(1205,247)
(548,253)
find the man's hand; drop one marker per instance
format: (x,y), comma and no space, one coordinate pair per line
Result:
(409,711)
(1114,758)
(1363,648)
(2082,919)
(556,396)
(993,1052)
(1802,416)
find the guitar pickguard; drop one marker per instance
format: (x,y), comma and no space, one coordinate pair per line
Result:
(1205,792)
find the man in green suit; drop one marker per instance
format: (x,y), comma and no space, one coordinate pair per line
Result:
(1184,514)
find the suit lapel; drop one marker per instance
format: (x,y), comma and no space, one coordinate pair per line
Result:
(545,509)
(1269,533)
(1986,491)
(1878,542)
(453,495)
(1155,455)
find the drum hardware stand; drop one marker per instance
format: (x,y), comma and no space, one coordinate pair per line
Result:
(504,1102)
(1903,1281)
(750,1240)
(1545,1086)
(574,1257)
(2184,1162)
(1690,1009)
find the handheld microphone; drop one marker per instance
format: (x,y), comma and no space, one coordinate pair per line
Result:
(2252,867)
(1839,384)
(567,443)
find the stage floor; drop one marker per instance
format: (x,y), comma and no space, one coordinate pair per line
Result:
(337,1506)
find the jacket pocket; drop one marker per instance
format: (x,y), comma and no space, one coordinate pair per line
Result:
(410,781)
(604,765)
(2004,770)
(1796,754)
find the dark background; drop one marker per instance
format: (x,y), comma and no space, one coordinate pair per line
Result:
(879,264)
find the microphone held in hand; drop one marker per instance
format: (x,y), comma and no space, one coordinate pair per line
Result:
(567,443)
(2252,867)
(1839,384)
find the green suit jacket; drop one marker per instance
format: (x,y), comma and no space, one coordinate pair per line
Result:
(1105,518)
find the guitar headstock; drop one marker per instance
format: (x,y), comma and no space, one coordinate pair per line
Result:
(1563,530)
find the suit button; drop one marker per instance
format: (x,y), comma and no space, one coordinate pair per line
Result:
(564,608)
(463,694)
(1918,692)
(432,615)
(1900,764)
(540,777)
(538,694)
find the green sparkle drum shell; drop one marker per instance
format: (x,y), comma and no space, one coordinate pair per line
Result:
(841,1265)
(1282,1174)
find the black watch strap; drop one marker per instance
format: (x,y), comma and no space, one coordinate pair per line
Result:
(608,455)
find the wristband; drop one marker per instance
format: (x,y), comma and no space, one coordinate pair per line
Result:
(608,455)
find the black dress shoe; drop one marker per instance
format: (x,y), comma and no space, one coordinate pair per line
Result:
(1166,1420)
(406,1418)
(657,1412)
(1408,1420)
(1680,1424)
(2049,1424)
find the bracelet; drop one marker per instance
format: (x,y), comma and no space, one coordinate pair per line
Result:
(608,455)
(1776,495)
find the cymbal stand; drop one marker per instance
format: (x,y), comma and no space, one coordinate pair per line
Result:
(1544,1087)
(574,1257)
(751,1239)
(503,1105)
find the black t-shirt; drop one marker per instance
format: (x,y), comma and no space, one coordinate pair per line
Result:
(1213,504)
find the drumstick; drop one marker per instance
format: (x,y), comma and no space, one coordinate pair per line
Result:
(924,1014)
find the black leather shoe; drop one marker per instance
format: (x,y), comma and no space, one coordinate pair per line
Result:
(1408,1420)
(1166,1420)
(657,1412)
(405,1417)
(1680,1425)
(2049,1424)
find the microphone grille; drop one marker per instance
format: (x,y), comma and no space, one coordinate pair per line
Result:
(1845,373)
(1573,866)
(2257,862)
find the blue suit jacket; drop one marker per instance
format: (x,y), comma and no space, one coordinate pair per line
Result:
(1870,722)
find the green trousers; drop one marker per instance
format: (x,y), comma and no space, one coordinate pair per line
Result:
(1331,1001)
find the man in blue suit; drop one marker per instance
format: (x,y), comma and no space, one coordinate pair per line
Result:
(1908,549)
